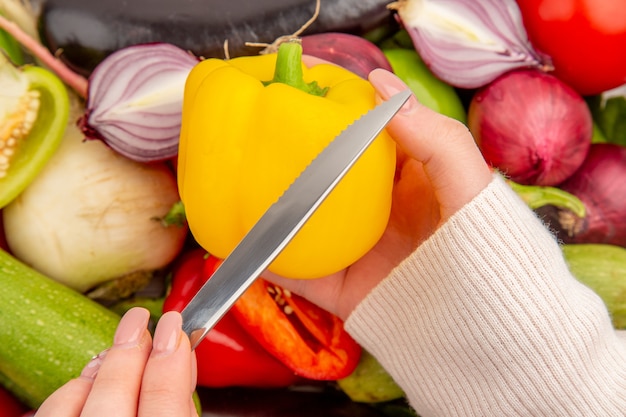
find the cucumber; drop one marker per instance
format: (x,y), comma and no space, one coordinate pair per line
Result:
(48,332)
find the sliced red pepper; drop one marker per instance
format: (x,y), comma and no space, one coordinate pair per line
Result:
(305,337)
(227,356)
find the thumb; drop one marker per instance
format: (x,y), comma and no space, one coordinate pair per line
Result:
(452,161)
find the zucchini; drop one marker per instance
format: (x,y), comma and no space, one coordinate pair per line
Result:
(602,267)
(48,331)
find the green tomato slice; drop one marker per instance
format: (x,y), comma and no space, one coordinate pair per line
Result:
(44,134)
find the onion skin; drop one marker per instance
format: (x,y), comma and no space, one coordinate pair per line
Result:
(531,126)
(351,52)
(600,183)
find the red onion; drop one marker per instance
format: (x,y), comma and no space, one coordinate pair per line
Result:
(600,183)
(469,43)
(531,126)
(135,100)
(352,52)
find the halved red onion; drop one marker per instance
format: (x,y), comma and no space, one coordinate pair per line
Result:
(531,126)
(469,43)
(135,98)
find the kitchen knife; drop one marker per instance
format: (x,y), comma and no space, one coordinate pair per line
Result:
(280,223)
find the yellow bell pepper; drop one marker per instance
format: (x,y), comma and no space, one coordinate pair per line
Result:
(244,140)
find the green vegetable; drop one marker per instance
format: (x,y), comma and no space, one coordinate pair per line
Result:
(429,90)
(601,267)
(49,332)
(370,382)
(542,195)
(34,109)
(598,135)
(11,48)
(609,113)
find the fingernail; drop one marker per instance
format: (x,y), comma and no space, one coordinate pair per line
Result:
(388,84)
(93,366)
(132,327)
(167,334)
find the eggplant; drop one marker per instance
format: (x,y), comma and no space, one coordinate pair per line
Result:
(86,31)
(289,402)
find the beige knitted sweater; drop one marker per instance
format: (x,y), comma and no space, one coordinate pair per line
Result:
(484,319)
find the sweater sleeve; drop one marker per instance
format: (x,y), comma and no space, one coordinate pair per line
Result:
(485,319)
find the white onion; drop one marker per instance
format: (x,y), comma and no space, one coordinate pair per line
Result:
(90,216)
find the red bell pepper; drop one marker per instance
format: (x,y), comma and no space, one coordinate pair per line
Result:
(303,336)
(10,406)
(227,356)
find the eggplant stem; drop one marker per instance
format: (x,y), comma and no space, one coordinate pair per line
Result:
(71,78)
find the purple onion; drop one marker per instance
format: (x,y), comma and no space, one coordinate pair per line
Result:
(531,126)
(135,98)
(469,43)
(351,52)
(600,183)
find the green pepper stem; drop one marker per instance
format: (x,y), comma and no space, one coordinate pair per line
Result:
(537,196)
(289,69)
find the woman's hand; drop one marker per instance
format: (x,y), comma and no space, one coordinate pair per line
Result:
(137,376)
(439,170)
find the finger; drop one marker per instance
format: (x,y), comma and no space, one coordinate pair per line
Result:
(451,159)
(310,61)
(67,401)
(116,386)
(168,381)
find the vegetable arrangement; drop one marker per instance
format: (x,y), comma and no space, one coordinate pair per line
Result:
(131,175)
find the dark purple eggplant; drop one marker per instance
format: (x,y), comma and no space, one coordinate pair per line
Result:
(245,402)
(86,31)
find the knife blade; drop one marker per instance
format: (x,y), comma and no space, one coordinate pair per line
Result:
(282,220)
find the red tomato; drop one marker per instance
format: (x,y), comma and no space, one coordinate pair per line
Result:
(586,40)
(9,405)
